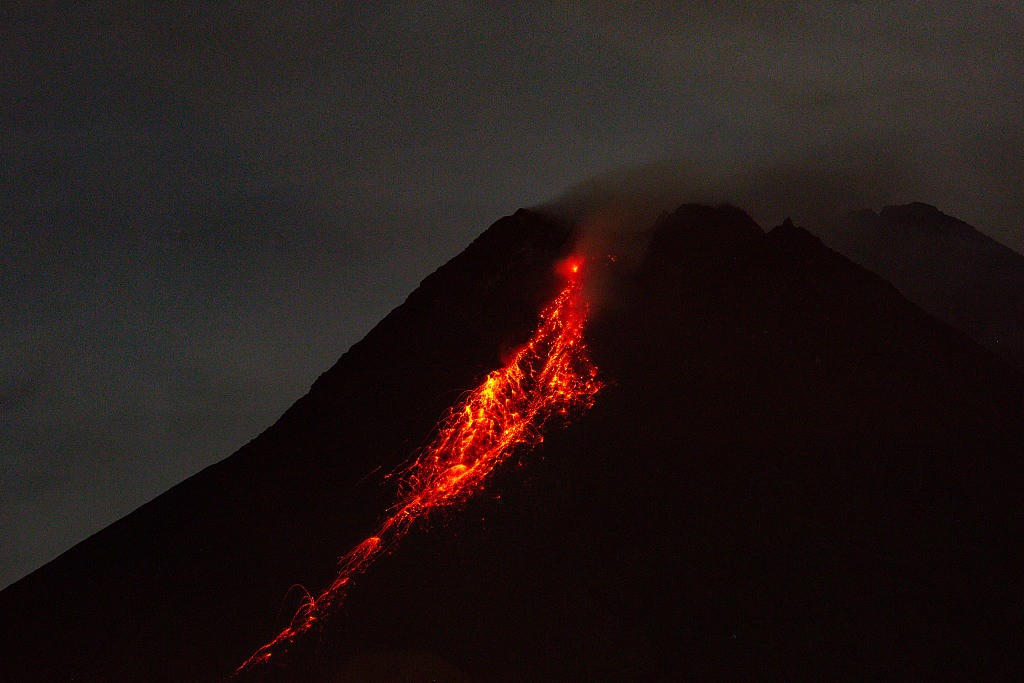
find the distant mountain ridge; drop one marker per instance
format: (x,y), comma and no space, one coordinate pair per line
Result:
(952,270)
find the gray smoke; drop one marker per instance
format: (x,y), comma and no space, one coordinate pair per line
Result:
(814,191)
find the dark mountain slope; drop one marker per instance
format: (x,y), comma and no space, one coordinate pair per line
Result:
(947,267)
(184,586)
(792,472)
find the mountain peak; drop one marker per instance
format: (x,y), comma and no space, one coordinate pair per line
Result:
(914,211)
(713,231)
(792,233)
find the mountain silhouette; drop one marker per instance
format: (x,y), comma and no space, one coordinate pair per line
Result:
(947,267)
(791,471)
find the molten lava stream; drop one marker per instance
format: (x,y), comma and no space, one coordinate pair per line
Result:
(550,376)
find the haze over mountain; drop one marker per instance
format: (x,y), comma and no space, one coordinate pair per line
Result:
(792,471)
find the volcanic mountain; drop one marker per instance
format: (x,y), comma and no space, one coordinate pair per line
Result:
(790,471)
(947,267)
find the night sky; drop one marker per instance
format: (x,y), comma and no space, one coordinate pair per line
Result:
(202,209)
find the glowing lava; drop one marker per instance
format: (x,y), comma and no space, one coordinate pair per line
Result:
(548,377)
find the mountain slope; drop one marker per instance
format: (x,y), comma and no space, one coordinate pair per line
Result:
(947,267)
(182,587)
(791,472)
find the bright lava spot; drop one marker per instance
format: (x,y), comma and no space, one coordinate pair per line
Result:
(548,377)
(569,268)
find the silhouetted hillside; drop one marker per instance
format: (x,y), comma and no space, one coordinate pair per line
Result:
(792,472)
(947,267)
(185,586)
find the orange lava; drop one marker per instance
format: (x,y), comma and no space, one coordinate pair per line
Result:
(550,376)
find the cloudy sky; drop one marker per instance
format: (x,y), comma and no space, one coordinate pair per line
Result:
(202,207)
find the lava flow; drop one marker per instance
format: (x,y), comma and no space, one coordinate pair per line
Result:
(551,375)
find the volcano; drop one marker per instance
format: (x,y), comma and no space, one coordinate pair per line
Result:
(782,469)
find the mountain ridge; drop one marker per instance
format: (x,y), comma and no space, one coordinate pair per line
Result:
(948,267)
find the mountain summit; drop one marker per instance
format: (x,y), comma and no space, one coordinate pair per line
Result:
(790,472)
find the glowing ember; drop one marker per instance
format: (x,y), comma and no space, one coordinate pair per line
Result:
(549,376)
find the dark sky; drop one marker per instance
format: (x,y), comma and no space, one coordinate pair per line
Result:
(201,209)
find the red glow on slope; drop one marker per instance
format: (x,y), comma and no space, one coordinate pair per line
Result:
(570,267)
(549,376)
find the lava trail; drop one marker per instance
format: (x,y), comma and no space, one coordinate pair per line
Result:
(547,378)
